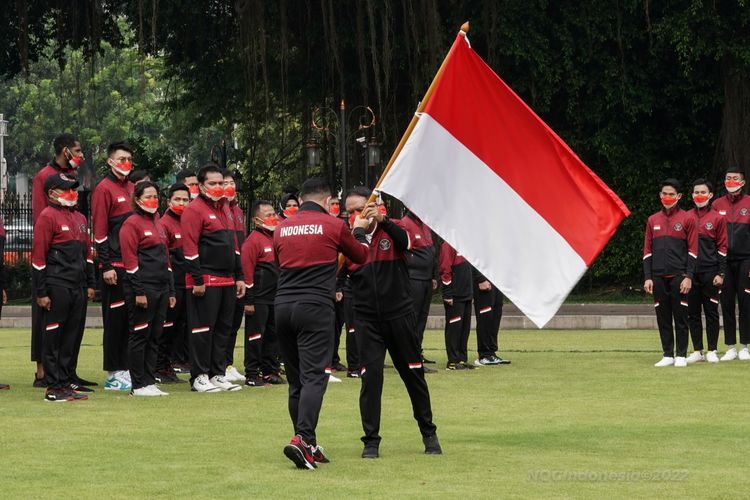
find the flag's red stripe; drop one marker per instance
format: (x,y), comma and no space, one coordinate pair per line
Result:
(488,118)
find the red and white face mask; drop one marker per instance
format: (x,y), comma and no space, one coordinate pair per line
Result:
(150,205)
(701,200)
(269,222)
(215,193)
(178,209)
(335,209)
(123,168)
(195,190)
(68,198)
(230,192)
(289,211)
(75,161)
(733,185)
(669,201)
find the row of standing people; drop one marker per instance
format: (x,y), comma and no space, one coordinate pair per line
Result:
(696,260)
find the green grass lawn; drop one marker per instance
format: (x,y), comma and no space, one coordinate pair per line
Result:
(577,414)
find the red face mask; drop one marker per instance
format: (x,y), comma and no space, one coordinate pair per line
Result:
(382,209)
(75,161)
(215,193)
(353,216)
(732,185)
(194,191)
(178,209)
(271,221)
(668,201)
(150,205)
(289,211)
(230,192)
(700,198)
(68,198)
(335,210)
(124,167)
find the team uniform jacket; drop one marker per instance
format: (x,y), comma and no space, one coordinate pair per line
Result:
(238,220)
(736,213)
(670,246)
(110,206)
(210,244)
(259,267)
(308,277)
(2,253)
(420,259)
(39,200)
(145,256)
(61,253)
(455,274)
(712,240)
(380,285)
(171,223)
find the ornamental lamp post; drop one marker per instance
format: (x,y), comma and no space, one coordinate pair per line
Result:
(3,165)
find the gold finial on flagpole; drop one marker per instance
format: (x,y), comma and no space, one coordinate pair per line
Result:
(465,27)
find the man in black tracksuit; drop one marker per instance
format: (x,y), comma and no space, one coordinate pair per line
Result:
(488,309)
(307,247)
(670,252)
(214,275)
(421,262)
(385,319)
(455,274)
(59,260)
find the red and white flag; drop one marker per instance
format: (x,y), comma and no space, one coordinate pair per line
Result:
(493,180)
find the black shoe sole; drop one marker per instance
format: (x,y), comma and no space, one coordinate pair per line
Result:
(298,457)
(370,454)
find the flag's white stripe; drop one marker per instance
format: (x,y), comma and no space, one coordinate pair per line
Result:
(511,244)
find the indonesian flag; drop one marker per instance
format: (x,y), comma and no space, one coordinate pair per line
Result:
(494,181)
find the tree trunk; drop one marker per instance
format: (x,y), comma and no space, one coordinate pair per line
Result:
(733,146)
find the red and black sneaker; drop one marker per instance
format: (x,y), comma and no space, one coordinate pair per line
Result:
(300,453)
(319,456)
(274,379)
(74,394)
(53,395)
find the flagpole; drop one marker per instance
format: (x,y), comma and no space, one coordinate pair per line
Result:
(414,119)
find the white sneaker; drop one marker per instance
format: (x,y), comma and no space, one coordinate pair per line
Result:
(144,391)
(665,361)
(202,384)
(730,355)
(333,378)
(695,357)
(125,375)
(744,355)
(158,391)
(232,375)
(680,361)
(222,384)
(711,357)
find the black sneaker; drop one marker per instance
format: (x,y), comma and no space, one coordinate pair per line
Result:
(338,367)
(75,395)
(466,366)
(274,379)
(501,361)
(300,453)
(180,367)
(57,396)
(319,456)
(80,381)
(371,451)
(81,388)
(427,369)
(4,387)
(432,445)
(352,374)
(167,377)
(255,382)
(428,361)
(39,382)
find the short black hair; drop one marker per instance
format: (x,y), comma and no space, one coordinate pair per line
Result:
(672,182)
(362,191)
(184,174)
(255,208)
(227,172)
(177,186)
(315,186)
(63,141)
(137,175)
(140,188)
(703,182)
(206,169)
(736,169)
(119,146)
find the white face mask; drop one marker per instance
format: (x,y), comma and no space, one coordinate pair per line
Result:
(734,189)
(147,209)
